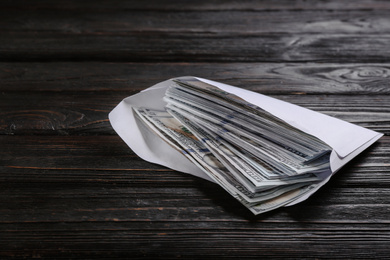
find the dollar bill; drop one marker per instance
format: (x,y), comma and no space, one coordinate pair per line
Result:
(225,115)
(267,153)
(213,94)
(257,171)
(259,159)
(225,177)
(191,146)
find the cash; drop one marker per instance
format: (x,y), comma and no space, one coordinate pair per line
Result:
(259,159)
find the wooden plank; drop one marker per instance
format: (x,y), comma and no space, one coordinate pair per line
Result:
(57,113)
(120,21)
(200,5)
(87,112)
(266,78)
(203,244)
(49,46)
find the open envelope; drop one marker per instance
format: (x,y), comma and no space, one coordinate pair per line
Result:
(347,140)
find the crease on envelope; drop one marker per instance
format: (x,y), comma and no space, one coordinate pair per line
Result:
(346,139)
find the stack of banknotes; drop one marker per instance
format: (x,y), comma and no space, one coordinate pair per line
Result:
(259,159)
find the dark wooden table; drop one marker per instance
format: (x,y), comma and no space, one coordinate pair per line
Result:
(70,188)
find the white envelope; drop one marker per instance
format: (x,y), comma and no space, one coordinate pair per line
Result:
(346,139)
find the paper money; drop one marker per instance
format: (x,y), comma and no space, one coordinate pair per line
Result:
(262,161)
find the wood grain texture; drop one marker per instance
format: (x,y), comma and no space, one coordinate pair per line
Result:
(200,5)
(235,22)
(266,78)
(87,112)
(192,46)
(53,32)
